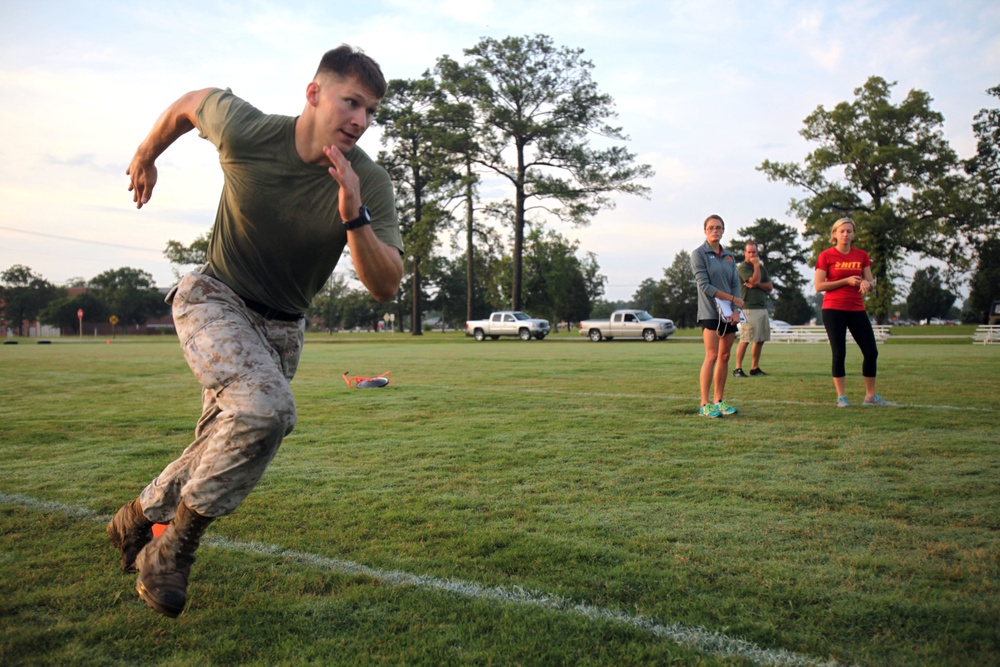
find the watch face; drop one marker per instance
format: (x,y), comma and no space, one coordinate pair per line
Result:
(364,218)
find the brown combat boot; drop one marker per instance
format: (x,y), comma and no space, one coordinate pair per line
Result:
(165,563)
(130,531)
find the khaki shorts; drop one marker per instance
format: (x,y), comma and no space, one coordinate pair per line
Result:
(757,328)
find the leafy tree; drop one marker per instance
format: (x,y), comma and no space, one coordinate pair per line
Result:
(893,172)
(780,253)
(792,307)
(130,294)
(468,196)
(927,297)
(492,265)
(557,283)
(985,284)
(594,281)
(647,295)
(815,300)
(423,167)
(188,256)
(984,168)
(62,312)
(985,165)
(602,309)
(328,305)
(448,276)
(680,292)
(23,294)
(361,310)
(457,115)
(536,108)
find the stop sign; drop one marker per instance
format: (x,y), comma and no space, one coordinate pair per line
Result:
(79,314)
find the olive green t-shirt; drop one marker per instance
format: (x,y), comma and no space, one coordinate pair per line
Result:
(278,233)
(753,297)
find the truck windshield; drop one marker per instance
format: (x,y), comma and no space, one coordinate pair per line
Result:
(643,315)
(521,316)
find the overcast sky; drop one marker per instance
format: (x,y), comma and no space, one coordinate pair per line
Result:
(706,90)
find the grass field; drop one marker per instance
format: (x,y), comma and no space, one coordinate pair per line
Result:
(553,502)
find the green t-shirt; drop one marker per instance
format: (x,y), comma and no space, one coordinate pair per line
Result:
(278,233)
(753,297)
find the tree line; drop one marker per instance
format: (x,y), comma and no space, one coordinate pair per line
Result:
(521,112)
(522,121)
(128,294)
(675,295)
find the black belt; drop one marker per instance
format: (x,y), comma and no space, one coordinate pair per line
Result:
(264,311)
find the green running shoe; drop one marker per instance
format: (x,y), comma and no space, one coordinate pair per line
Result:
(709,410)
(725,408)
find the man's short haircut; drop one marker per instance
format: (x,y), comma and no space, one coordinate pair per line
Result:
(347,61)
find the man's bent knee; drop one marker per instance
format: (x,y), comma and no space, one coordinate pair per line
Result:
(272,416)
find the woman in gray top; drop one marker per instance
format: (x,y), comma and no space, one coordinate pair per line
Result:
(715,273)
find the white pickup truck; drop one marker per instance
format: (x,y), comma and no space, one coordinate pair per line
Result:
(507,323)
(628,324)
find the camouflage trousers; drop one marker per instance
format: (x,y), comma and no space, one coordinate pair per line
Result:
(244,363)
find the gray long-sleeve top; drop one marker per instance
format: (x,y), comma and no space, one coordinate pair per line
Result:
(712,273)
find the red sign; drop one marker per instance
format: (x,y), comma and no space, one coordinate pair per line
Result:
(79,314)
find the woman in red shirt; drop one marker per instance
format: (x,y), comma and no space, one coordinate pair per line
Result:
(845,275)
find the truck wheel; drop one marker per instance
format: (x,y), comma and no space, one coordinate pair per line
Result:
(595,335)
(540,336)
(479,335)
(524,334)
(649,335)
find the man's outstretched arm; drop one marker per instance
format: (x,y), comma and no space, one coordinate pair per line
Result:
(177,120)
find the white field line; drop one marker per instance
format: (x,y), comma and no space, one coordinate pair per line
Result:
(691,637)
(667,397)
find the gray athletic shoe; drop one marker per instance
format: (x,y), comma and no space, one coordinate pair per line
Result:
(875,399)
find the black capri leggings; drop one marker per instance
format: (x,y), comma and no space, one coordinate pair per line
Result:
(837,322)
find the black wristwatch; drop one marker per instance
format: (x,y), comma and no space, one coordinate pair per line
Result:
(364,218)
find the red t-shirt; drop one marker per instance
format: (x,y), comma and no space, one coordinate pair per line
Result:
(839,266)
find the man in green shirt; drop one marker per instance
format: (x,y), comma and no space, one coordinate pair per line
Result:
(757,329)
(297,190)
